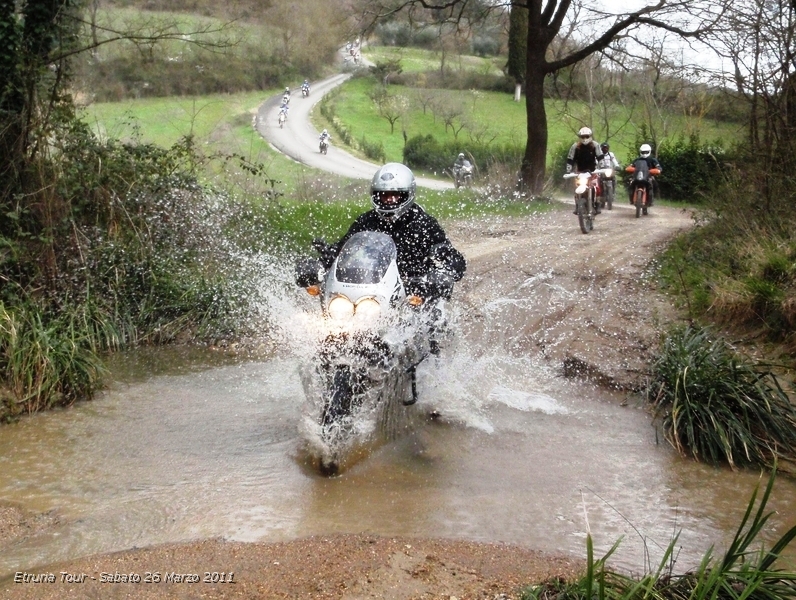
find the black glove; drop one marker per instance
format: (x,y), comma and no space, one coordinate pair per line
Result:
(325,251)
(308,272)
(435,284)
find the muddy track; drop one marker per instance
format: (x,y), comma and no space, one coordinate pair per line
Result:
(587,303)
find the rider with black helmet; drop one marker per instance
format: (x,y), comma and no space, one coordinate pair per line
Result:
(427,260)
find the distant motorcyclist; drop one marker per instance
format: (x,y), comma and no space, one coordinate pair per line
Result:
(324,137)
(459,165)
(584,155)
(645,154)
(427,261)
(305,88)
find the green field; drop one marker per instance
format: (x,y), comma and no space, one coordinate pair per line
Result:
(416,60)
(496,117)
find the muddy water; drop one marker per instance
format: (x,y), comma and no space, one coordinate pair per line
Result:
(187,446)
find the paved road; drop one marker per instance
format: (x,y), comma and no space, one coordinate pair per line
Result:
(298,139)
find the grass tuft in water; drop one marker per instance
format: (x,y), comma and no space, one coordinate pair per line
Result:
(746,571)
(45,362)
(718,406)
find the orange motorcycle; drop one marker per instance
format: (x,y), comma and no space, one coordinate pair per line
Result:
(641,184)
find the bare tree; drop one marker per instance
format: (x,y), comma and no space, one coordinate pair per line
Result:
(390,107)
(593,30)
(759,42)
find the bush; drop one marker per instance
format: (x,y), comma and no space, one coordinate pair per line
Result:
(485,45)
(373,150)
(718,406)
(689,168)
(425,152)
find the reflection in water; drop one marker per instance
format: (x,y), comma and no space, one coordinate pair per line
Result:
(209,447)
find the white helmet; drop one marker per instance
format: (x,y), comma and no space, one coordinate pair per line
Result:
(585,135)
(461,155)
(392,190)
(324,132)
(645,150)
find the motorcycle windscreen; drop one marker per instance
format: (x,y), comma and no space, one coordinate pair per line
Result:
(365,258)
(642,172)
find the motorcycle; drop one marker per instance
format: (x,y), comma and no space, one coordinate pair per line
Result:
(640,184)
(361,383)
(463,176)
(305,91)
(324,144)
(608,184)
(282,118)
(588,187)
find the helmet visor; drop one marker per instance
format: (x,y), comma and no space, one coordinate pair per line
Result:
(645,153)
(390,199)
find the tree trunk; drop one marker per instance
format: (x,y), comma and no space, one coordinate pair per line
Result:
(533,163)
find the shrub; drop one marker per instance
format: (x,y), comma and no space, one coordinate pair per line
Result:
(373,150)
(425,152)
(718,406)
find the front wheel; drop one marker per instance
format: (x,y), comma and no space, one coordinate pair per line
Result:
(609,194)
(639,201)
(584,216)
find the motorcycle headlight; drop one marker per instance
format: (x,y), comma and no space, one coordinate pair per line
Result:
(367,309)
(583,179)
(341,308)
(609,173)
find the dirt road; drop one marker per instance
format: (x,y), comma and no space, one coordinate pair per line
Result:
(582,301)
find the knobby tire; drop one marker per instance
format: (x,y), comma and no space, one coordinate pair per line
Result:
(584,218)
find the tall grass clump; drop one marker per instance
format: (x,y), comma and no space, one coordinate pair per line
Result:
(718,406)
(746,571)
(46,362)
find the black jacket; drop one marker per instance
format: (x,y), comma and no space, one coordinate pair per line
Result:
(584,157)
(421,242)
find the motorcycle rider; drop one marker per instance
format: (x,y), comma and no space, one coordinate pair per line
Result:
(645,153)
(306,86)
(427,261)
(609,158)
(609,161)
(458,164)
(584,155)
(324,137)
